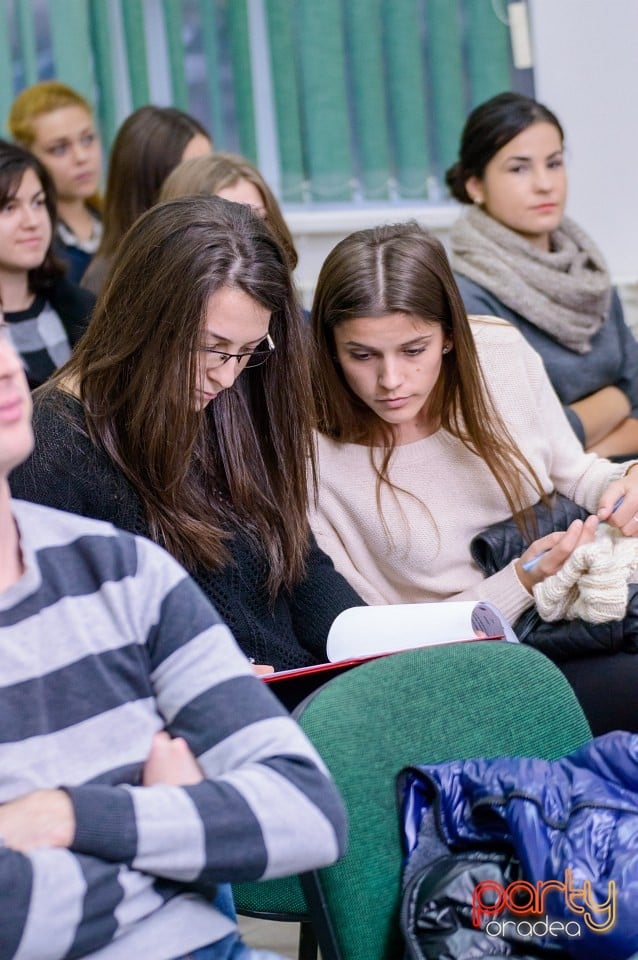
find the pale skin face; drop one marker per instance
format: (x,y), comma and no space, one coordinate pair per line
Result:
(392,364)
(25,227)
(524,186)
(16,437)
(16,443)
(197,146)
(243,191)
(66,141)
(234,323)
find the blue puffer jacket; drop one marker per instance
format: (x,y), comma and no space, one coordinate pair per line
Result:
(578,814)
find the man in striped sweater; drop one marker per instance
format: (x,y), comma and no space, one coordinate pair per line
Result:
(141,761)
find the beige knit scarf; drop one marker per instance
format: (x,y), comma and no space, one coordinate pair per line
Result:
(566,292)
(592,583)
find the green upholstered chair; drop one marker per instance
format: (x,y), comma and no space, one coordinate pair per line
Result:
(281,900)
(423,706)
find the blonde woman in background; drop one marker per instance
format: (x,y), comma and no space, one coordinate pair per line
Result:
(232,177)
(56,124)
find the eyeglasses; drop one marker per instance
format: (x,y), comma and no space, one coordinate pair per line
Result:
(253,358)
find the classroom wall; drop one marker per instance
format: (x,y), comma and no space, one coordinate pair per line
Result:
(585,70)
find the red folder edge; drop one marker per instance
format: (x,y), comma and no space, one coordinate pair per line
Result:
(338,665)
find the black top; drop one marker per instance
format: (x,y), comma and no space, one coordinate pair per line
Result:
(75,253)
(68,472)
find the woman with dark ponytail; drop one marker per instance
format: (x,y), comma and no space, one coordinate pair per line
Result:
(517,256)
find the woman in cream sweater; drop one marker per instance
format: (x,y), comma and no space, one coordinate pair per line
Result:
(432,427)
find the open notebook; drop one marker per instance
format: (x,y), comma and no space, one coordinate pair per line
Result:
(362,633)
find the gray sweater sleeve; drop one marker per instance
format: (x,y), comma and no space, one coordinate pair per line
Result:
(59,904)
(266,807)
(479,301)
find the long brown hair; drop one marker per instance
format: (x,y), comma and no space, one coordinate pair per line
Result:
(402,269)
(206,175)
(241,462)
(148,145)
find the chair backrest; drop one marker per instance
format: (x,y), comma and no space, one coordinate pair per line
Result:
(423,706)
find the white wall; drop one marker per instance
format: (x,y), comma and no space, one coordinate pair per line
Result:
(586,71)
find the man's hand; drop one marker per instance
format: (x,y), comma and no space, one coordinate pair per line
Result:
(171,762)
(43,818)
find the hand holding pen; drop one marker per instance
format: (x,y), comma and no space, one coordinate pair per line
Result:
(530,564)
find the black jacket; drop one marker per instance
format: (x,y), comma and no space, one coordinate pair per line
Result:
(497,546)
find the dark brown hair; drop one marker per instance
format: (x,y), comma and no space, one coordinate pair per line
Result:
(402,269)
(14,163)
(489,127)
(243,461)
(150,142)
(207,175)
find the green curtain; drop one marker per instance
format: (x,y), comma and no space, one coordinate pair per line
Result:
(6,76)
(101,43)
(371,139)
(135,39)
(326,127)
(488,51)
(26,32)
(407,96)
(369,95)
(287,97)
(445,42)
(242,77)
(70,39)
(175,42)
(210,43)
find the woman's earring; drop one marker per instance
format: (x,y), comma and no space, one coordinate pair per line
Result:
(446,348)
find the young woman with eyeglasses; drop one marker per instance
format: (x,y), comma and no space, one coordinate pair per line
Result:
(183,416)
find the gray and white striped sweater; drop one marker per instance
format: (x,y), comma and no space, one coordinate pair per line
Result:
(103,642)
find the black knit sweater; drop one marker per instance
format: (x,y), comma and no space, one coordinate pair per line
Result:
(68,472)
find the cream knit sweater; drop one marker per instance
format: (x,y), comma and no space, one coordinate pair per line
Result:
(422,551)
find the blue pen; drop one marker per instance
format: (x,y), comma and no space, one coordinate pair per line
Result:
(530,564)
